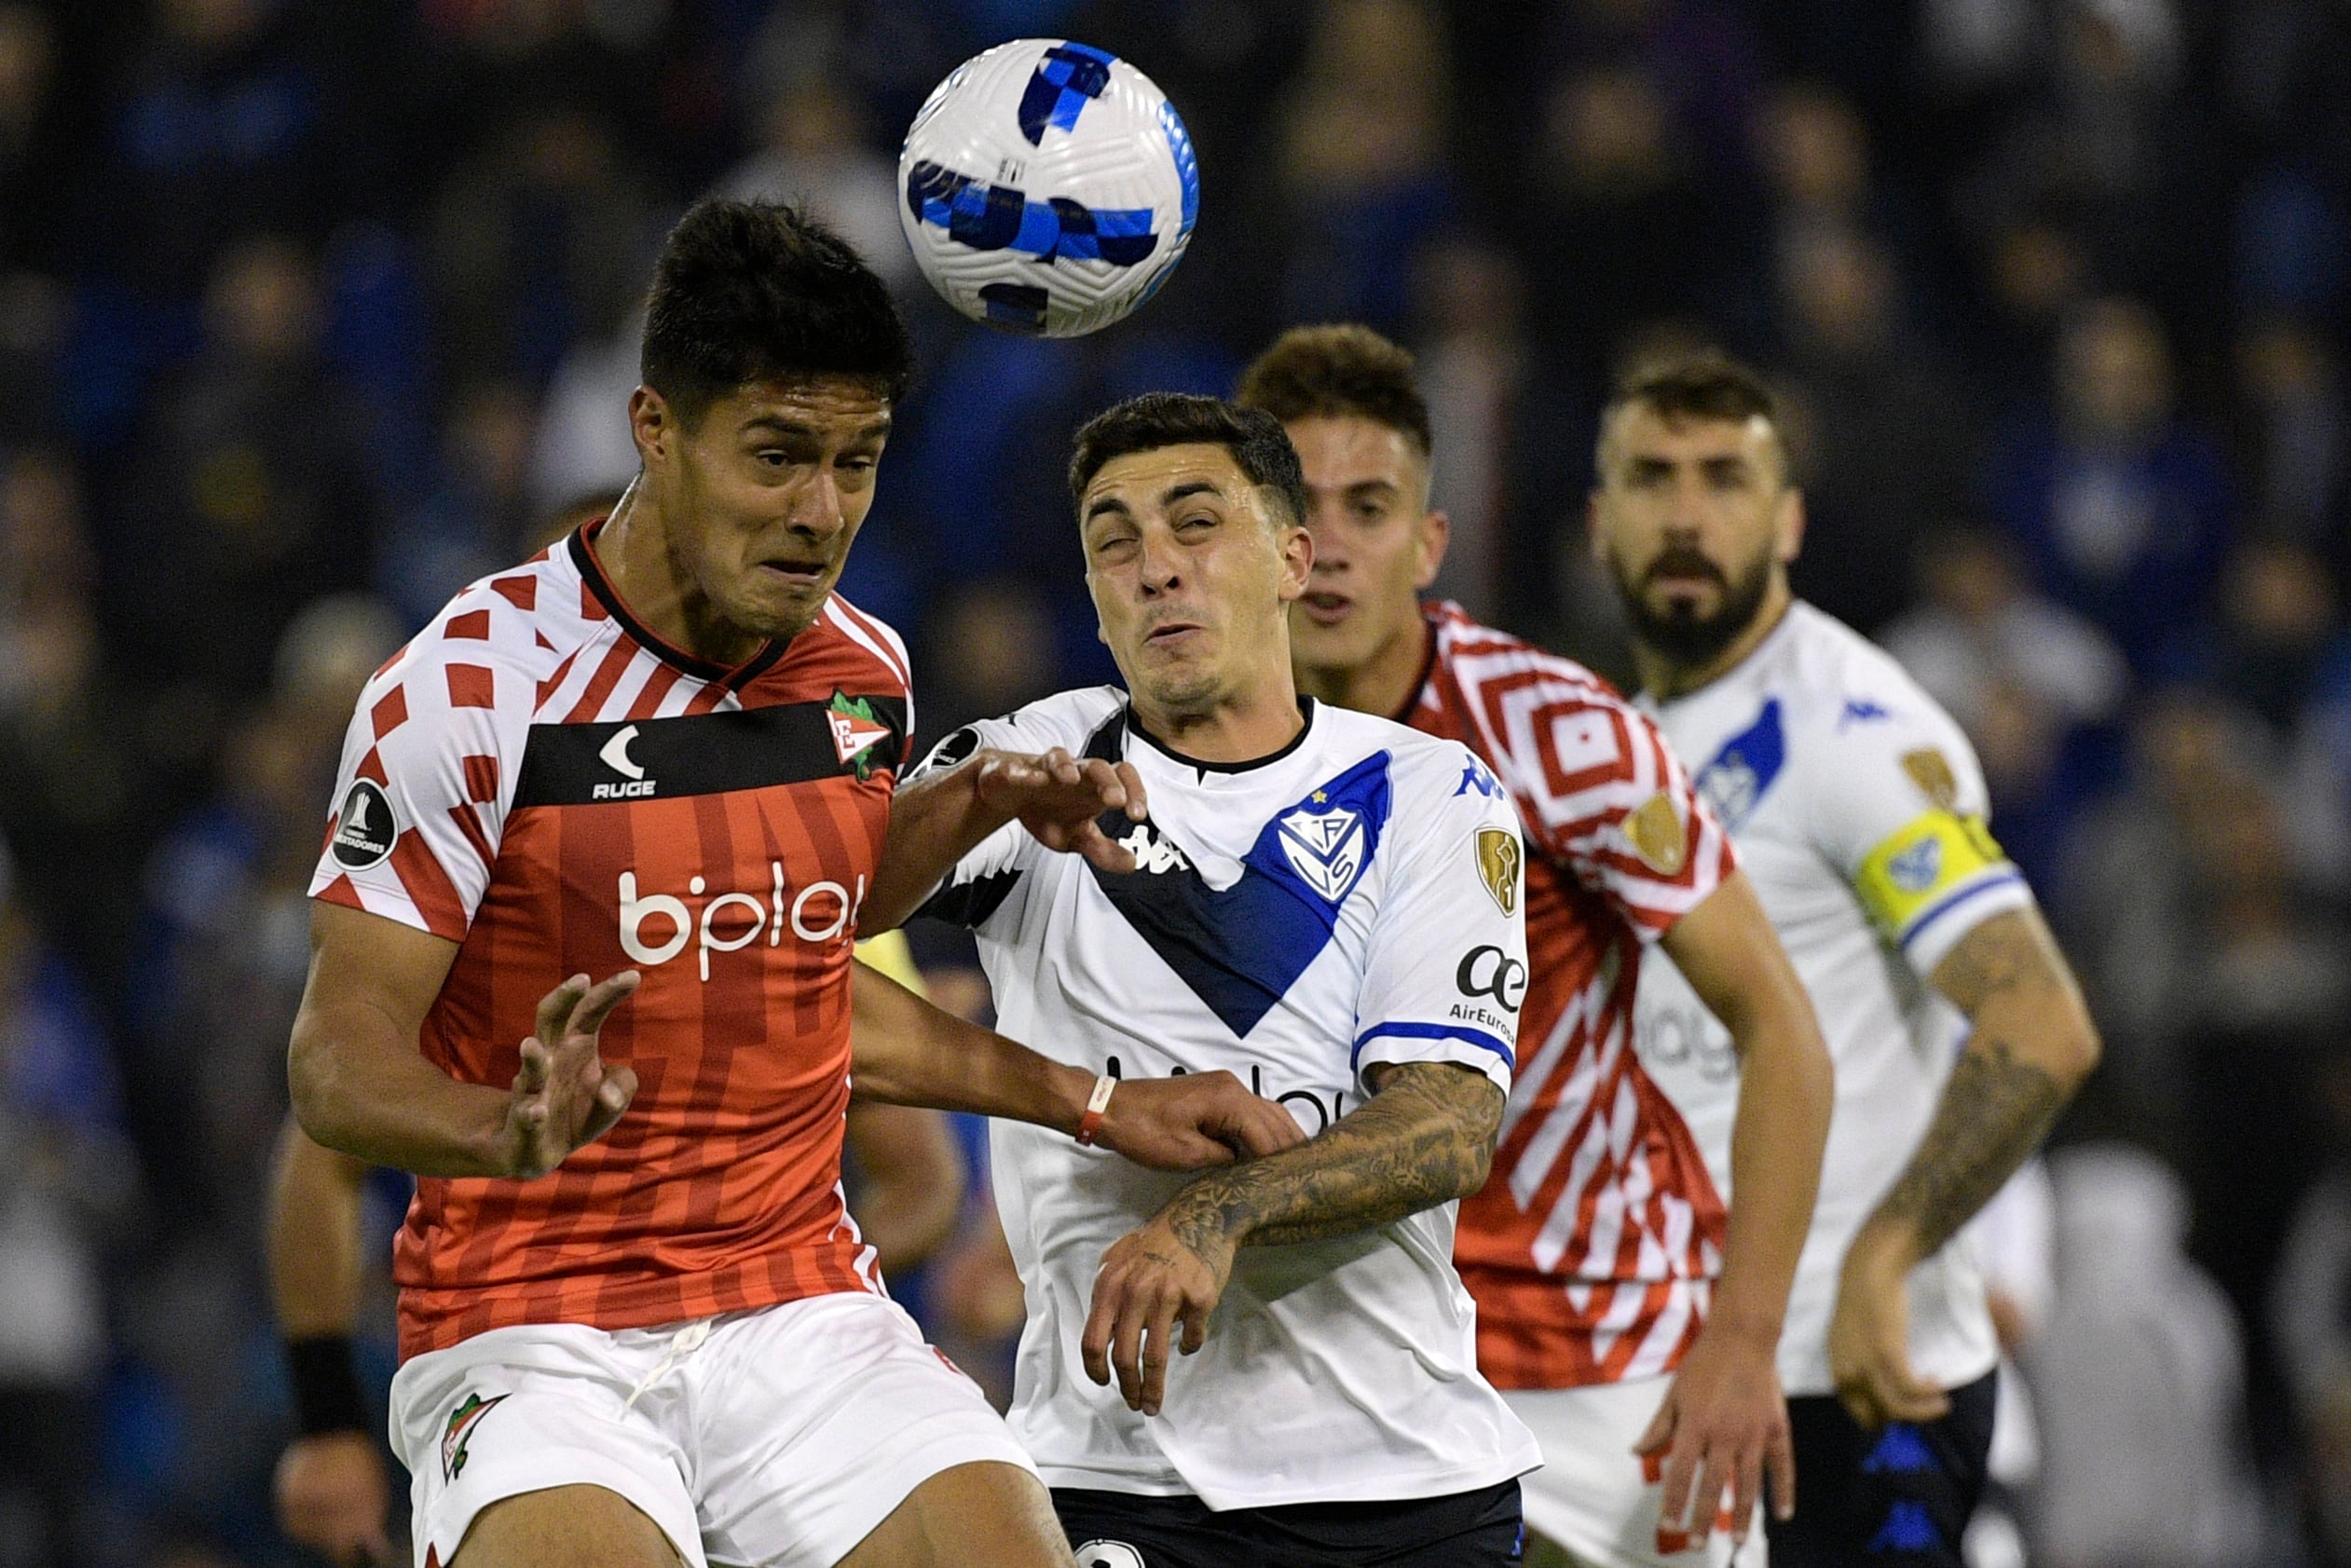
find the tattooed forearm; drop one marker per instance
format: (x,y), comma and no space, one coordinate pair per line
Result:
(1424,1139)
(2033,1044)
(1995,1111)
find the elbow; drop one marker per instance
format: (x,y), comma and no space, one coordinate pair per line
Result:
(310,1086)
(2078,1053)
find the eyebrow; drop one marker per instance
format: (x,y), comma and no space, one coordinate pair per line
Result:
(1167,498)
(782,426)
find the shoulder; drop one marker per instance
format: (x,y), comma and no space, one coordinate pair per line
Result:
(869,649)
(493,647)
(1417,761)
(1851,699)
(1067,720)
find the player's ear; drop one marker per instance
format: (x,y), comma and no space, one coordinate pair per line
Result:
(1787,526)
(650,424)
(1297,560)
(1436,532)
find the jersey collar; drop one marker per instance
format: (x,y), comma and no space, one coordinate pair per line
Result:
(1306,711)
(583,546)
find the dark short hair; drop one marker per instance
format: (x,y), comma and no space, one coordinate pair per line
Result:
(751,291)
(1706,385)
(1255,439)
(1340,371)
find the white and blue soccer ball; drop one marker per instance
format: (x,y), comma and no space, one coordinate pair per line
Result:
(1048,187)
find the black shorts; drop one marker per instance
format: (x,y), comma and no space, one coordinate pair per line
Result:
(1894,1499)
(1466,1530)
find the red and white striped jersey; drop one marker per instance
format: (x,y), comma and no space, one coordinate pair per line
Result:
(544,781)
(1592,1246)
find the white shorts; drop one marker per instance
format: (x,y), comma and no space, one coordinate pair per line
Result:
(1599,1499)
(777,1437)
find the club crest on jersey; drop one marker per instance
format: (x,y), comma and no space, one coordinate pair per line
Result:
(460,1432)
(364,832)
(1500,857)
(856,729)
(1326,847)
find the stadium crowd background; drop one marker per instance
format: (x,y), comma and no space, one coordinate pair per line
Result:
(310,313)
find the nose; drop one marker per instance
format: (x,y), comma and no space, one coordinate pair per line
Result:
(1157,568)
(815,505)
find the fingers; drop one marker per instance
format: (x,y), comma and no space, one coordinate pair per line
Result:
(1779,1471)
(1099,849)
(1137,801)
(531,1078)
(1681,1471)
(1126,1350)
(555,1008)
(596,1002)
(1194,1317)
(1660,1430)
(1159,1332)
(1093,1345)
(1887,1390)
(1748,1482)
(612,1098)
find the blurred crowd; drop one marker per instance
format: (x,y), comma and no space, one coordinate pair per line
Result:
(309,314)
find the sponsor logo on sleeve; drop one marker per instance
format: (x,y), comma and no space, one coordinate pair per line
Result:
(365,831)
(1930,771)
(1655,832)
(1500,862)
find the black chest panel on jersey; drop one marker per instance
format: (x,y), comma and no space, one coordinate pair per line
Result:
(710,754)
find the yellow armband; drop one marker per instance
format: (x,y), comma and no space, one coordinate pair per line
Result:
(1933,864)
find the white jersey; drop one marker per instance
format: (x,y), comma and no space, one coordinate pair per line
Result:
(1858,809)
(1294,921)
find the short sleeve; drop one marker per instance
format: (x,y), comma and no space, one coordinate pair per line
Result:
(427,774)
(1445,970)
(977,890)
(1604,797)
(1902,810)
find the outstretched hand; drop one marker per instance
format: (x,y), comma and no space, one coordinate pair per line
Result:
(1723,1428)
(1058,799)
(566,1096)
(1196,1119)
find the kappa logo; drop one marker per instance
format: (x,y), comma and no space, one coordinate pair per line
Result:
(1153,853)
(856,727)
(615,755)
(365,831)
(1325,847)
(1109,1554)
(462,1421)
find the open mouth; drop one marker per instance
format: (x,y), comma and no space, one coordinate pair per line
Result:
(1327,609)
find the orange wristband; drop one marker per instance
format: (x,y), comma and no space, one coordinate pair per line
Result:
(1096,1104)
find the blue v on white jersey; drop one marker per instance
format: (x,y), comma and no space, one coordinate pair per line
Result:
(1352,900)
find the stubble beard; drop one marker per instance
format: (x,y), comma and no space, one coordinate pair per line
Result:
(1679,633)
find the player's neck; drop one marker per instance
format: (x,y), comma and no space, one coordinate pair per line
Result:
(1384,684)
(1666,678)
(634,551)
(1241,727)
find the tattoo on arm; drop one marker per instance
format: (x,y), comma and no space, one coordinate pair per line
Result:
(1426,1138)
(1994,1112)
(2008,978)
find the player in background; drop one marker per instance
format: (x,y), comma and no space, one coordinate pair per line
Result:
(1859,810)
(1310,882)
(1627,1322)
(332,1491)
(637,1324)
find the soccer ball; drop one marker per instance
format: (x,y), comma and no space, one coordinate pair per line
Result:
(1048,187)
